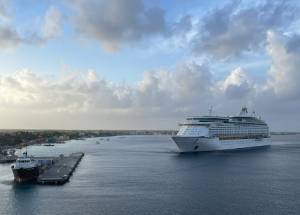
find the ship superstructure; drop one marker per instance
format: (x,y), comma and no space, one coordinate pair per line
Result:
(208,133)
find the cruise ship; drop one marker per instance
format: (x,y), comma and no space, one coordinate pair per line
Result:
(211,133)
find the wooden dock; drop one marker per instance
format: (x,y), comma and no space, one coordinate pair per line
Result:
(61,171)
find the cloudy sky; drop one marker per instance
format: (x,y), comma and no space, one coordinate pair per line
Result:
(139,64)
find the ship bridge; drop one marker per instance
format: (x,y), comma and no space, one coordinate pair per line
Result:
(194,120)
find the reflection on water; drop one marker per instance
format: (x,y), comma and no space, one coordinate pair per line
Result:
(23,199)
(147,175)
(8,182)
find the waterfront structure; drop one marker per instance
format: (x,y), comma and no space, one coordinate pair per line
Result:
(45,170)
(210,133)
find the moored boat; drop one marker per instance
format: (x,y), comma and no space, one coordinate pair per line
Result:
(25,169)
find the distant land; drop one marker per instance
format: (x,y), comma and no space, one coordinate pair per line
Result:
(283,133)
(17,138)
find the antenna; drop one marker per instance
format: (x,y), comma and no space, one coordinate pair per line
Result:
(243,112)
(210,110)
(25,153)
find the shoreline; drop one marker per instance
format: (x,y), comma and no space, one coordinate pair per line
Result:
(11,140)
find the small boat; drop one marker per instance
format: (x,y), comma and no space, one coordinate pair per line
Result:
(48,144)
(25,169)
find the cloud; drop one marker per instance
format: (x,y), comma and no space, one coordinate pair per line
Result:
(53,23)
(117,23)
(237,84)
(175,90)
(183,26)
(82,92)
(11,36)
(159,100)
(3,10)
(284,72)
(73,93)
(237,28)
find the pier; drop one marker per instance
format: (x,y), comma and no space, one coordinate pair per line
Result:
(7,159)
(7,155)
(60,171)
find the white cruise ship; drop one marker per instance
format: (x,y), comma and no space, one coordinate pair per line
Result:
(211,133)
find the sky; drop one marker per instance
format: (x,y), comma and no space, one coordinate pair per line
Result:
(147,64)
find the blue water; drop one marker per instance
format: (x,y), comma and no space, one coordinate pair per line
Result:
(146,175)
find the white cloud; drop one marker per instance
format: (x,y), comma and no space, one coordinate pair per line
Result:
(4,15)
(159,100)
(11,36)
(53,23)
(160,93)
(28,91)
(237,84)
(284,72)
(175,90)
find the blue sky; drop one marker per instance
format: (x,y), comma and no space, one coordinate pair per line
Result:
(75,53)
(109,62)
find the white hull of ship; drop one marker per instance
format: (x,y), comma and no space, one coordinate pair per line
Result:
(198,144)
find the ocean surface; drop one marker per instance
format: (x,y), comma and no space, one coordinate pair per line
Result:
(147,175)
